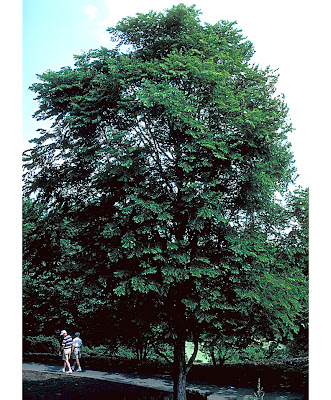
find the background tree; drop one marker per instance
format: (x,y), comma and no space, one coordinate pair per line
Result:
(295,250)
(166,158)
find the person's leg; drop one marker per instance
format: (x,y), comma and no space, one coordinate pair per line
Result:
(67,361)
(78,356)
(78,363)
(64,361)
(74,360)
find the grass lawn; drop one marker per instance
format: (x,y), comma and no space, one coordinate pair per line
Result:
(200,358)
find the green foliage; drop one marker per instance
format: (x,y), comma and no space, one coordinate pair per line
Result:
(41,344)
(253,352)
(126,353)
(157,187)
(297,241)
(100,351)
(48,250)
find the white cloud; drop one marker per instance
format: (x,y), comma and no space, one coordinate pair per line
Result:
(91,11)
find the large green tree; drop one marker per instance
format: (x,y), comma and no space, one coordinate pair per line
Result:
(164,158)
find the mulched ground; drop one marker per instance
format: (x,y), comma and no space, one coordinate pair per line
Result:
(51,386)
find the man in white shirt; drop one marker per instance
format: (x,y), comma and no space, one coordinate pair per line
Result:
(77,351)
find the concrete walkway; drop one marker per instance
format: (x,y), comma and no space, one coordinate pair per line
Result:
(165,383)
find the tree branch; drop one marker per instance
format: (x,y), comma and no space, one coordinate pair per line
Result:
(194,354)
(163,355)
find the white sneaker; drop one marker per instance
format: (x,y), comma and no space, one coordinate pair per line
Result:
(69,372)
(79,370)
(62,370)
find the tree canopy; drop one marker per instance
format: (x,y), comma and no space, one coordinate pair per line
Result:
(158,182)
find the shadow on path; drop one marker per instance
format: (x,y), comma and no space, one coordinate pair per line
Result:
(161,382)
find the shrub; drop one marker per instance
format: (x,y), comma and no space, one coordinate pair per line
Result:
(40,344)
(96,351)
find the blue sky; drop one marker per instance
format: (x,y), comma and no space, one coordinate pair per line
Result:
(55,30)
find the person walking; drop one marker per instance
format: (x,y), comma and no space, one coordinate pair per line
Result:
(65,351)
(77,344)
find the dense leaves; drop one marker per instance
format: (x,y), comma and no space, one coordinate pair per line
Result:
(158,182)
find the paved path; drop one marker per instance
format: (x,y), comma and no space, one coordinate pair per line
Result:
(165,383)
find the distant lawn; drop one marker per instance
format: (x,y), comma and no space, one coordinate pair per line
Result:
(200,358)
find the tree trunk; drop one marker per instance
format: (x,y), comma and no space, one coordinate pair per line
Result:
(221,361)
(180,367)
(212,355)
(179,370)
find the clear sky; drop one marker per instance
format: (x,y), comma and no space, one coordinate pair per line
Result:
(283,34)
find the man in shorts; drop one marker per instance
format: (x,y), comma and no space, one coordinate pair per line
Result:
(77,351)
(65,351)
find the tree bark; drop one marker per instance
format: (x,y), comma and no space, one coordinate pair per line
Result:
(179,370)
(212,355)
